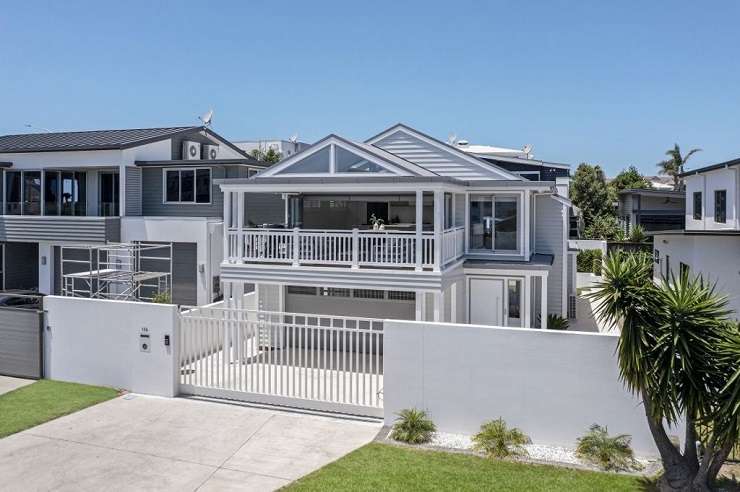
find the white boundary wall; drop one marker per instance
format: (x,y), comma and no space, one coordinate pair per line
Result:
(553,385)
(95,341)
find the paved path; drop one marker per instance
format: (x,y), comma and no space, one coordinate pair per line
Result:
(147,443)
(9,384)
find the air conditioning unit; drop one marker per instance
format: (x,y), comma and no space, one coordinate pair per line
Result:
(210,152)
(190,151)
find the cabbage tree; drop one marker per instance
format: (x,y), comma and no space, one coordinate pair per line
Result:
(680,354)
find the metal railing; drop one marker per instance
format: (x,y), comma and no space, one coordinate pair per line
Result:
(335,360)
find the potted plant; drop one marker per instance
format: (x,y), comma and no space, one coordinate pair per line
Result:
(378,224)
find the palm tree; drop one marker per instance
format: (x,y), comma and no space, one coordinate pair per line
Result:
(674,166)
(677,351)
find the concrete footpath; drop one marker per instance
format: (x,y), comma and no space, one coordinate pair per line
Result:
(146,443)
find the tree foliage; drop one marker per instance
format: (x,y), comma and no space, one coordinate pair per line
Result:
(679,352)
(271,156)
(673,166)
(590,193)
(604,227)
(630,179)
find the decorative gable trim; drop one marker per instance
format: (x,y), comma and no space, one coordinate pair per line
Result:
(490,168)
(332,141)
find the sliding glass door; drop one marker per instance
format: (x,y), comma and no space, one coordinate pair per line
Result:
(109,186)
(74,193)
(494,223)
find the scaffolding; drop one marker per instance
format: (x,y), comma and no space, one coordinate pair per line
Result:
(118,271)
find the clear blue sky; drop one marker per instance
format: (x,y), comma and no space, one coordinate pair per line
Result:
(615,83)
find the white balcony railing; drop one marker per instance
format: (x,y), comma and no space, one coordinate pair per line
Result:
(453,244)
(353,248)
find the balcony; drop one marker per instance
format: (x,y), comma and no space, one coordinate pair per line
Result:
(344,248)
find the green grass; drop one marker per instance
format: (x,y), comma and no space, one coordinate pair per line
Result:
(46,400)
(385,467)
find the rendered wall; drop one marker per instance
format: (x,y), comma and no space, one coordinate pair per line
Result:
(553,385)
(94,341)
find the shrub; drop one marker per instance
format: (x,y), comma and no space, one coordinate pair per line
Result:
(556,322)
(413,426)
(496,440)
(637,234)
(162,298)
(604,226)
(607,452)
(589,260)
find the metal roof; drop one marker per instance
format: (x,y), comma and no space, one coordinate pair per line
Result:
(88,140)
(247,161)
(730,163)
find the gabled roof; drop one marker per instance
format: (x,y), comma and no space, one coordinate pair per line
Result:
(88,140)
(475,168)
(391,162)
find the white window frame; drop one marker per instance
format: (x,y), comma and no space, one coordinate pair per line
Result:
(195,194)
(521,223)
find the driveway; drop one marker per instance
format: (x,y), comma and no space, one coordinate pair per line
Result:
(147,443)
(9,384)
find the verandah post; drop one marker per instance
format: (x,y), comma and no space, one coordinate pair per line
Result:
(296,246)
(355,248)
(419,226)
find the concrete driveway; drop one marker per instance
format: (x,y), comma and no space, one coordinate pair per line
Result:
(9,384)
(146,443)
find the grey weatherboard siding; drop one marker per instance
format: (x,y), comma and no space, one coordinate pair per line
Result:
(78,229)
(549,240)
(133,191)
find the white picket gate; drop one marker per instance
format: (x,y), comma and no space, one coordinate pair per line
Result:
(329,363)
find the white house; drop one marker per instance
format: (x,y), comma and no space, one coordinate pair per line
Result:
(400,226)
(710,244)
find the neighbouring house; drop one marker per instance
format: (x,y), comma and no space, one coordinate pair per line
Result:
(651,209)
(93,188)
(400,226)
(710,243)
(285,148)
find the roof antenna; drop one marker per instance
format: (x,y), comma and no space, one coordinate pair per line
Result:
(293,138)
(452,138)
(207,118)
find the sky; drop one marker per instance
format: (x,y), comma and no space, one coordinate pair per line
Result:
(609,83)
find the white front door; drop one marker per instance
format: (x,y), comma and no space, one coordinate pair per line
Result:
(486,301)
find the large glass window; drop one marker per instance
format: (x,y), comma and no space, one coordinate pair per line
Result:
(51,193)
(348,162)
(74,193)
(697,205)
(317,162)
(31,192)
(505,224)
(494,223)
(481,222)
(13,192)
(720,206)
(187,185)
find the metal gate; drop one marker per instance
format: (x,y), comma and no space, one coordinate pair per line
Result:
(21,349)
(329,363)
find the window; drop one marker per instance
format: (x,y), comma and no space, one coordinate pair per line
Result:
(720,206)
(187,185)
(334,292)
(13,191)
(449,219)
(494,223)
(317,162)
(74,193)
(31,192)
(347,162)
(515,299)
(109,186)
(401,295)
(368,294)
(298,289)
(697,205)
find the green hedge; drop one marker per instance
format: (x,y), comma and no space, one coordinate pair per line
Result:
(589,260)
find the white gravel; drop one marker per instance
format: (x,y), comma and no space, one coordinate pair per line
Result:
(539,452)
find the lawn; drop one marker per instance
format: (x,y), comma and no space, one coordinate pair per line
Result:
(45,400)
(385,467)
